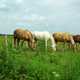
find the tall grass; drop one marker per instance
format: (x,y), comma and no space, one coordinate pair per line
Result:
(22,63)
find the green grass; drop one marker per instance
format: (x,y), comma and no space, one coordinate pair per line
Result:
(22,63)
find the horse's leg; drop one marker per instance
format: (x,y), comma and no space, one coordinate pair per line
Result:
(77,46)
(73,44)
(18,40)
(15,42)
(56,45)
(46,44)
(64,46)
(22,43)
(36,42)
(29,44)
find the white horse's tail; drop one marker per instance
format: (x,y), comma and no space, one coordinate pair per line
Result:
(53,43)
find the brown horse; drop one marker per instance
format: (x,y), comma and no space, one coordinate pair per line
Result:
(77,40)
(24,35)
(64,37)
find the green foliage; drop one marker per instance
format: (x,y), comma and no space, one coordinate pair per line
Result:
(23,63)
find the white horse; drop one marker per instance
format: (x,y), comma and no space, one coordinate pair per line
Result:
(45,35)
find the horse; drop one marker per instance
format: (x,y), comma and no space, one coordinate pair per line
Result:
(44,35)
(23,35)
(77,40)
(64,37)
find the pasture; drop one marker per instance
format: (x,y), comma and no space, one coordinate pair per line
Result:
(22,63)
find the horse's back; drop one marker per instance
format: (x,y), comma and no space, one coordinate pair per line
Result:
(61,36)
(42,35)
(22,33)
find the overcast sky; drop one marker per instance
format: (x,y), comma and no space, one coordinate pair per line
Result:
(51,15)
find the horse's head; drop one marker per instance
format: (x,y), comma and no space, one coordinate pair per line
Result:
(54,47)
(53,43)
(32,44)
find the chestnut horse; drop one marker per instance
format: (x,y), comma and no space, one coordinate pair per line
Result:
(45,35)
(24,35)
(76,38)
(64,37)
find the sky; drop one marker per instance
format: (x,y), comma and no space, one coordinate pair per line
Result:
(40,15)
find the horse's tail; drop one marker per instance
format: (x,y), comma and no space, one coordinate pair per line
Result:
(14,33)
(14,38)
(53,42)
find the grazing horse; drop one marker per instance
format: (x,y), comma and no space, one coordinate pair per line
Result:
(77,40)
(24,35)
(45,35)
(64,37)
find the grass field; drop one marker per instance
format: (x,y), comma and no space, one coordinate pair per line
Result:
(23,63)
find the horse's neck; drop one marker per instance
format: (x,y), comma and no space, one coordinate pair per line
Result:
(41,35)
(52,40)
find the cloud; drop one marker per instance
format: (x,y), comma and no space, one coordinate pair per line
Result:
(36,17)
(19,1)
(32,18)
(3,7)
(45,14)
